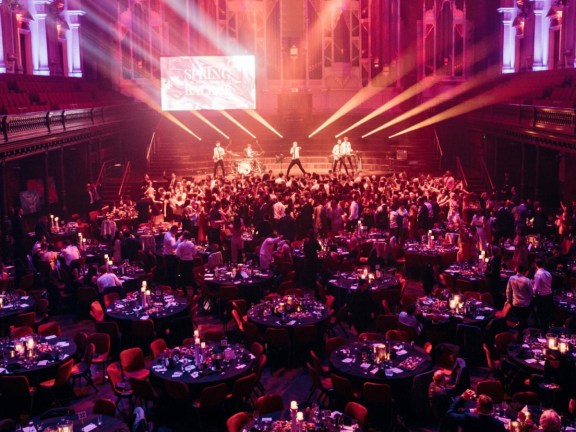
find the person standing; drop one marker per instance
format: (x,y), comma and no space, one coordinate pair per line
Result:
(336,155)
(346,153)
(186,251)
(295,153)
(519,295)
(543,301)
(218,158)
(169,245)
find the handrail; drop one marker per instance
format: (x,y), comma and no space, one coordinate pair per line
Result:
(487,174)
(124,178)
(461,170)
(102,171)
(437,142)
(152,144)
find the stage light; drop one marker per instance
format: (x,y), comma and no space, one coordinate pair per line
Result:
(209,123)
(262,121)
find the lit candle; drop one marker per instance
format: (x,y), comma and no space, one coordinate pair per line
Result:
(457,298)
(552,342)
(1,302)
(452,304)
(144,284)
(202,345)
(299,416)
(196,334)
(563,347)
(147,292)
(106,257)
(56,221)
(294,405)
(143,289)
(197,341)
(30,344)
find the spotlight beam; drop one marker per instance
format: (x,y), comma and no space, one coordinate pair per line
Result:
(499,93)
(447,95)
(237,123)
(262,121)
(209,123)
(412,91)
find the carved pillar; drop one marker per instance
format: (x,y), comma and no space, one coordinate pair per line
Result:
(38,39)
(540,36)
(508,36)
(2,58)
(73,37)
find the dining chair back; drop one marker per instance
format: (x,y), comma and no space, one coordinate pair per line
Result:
(177,391)
(110,298)
(133,364)
(334,343)
(20,332)
(104,406)
(358,412)
(385,322)
(24,319)
(501,342)
(51,328)
(492,388)
(269,403)
(157,347)
(96,311)
(397,335)
(82,369)
(213,397)
(237,422)
(112,329)
(16,396)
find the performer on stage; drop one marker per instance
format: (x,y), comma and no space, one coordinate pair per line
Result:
(295,153)
(218,158)
(346,152)
(249,152)
(338,157)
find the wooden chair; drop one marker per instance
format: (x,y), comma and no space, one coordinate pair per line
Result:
(269,403)
(491,388)
(24,319)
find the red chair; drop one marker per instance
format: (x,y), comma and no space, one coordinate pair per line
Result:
(157,347)
(83,368)
(16,396)
(133,364)
(236,422)
(101,343)
(358,412)
(491,388)
(96,311)
(105,407)
(60,381)
(50,329)
(269,403)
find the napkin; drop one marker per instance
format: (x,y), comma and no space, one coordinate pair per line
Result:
(240,366)
(332,281)
(2,370)
(176,374)
(480,317)
(347,360)
(541,340)
(29,429)
(50,337)
(24,297)
(144,317)
(89,427)
(292,322)
(401,352)
(63,344)
(374,371)
(194,374)
(365,365)
(24,305)
(530,360)
(42,362)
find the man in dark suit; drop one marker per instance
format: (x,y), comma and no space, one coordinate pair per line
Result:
(480,421)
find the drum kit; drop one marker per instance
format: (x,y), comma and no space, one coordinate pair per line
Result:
(249,165)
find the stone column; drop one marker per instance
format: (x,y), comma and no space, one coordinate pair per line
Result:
(38,38)
(541,36)
(73,37)
(508,36)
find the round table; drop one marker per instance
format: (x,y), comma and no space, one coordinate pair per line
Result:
(13,304)
(47,354)
(437,310)
(83,422)
(566,302)
(288,312)
(345,283)
(161,308)
(419,255)
(357,361)
(217,363)
(251,282)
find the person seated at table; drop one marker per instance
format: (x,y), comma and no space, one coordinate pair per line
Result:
(550,421)
(480,421)
(464,246)
(267,250)
(283,253)
(361,307)
(408,318)
(439,397)
(559,371)
(70,252)
(108,281)
(91,276)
